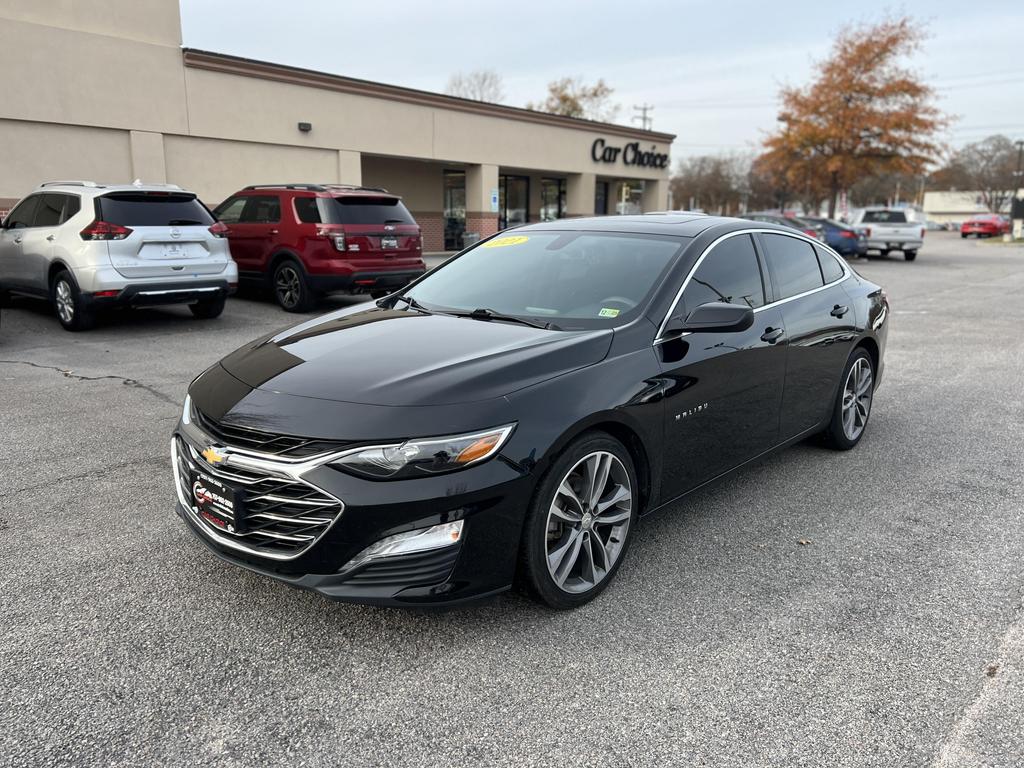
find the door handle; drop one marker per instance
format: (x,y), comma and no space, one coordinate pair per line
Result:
(51,238)
(273,231)
(839,311)
(771,335)
(17,239)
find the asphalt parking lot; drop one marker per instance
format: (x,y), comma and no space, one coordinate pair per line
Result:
(894,636)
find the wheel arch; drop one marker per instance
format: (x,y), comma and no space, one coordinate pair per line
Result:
(623,431)
(283,254)
(57,266)
(871,346)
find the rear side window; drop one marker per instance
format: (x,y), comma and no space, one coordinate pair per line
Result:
(793,265)
(729,273)
(830,268)
(23,214)
(72,205)
(369,210)
(152,209)
(49,210)
(230,211)
(307,210)
(261,209)
(884,217)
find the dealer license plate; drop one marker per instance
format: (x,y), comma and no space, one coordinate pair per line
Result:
(217,503)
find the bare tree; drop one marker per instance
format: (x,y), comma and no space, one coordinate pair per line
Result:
(479,85)
(714,183)
(572,97)
(988,166)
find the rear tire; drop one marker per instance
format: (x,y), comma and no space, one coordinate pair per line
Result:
(963,235)
(209,308)
(67,303)
(291,289)
(579,523)
(852,407)
(910,255)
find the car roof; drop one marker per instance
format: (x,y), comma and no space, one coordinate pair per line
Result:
(672,223)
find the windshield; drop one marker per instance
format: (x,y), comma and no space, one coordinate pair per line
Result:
(570,279)
(153,209)
(884,217)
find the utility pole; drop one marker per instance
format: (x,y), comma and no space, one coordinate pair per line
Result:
(1019,175)
(645,121)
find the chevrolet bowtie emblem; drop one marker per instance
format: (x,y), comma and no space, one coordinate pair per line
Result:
(214,455)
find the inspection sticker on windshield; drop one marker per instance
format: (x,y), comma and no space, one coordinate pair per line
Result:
(501,242)
(605,312)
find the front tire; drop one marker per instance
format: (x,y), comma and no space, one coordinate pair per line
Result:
(291,289)
(852,407)
(579,523)
(209,308)
(68,305)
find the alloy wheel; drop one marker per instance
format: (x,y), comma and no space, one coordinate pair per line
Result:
(288,286)
(65,301)
(588,521)
(857,398)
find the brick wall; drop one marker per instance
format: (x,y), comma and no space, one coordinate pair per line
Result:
(432,225)
(484,223)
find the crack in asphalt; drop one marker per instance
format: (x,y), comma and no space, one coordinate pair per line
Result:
(70,374)
(960,746)
(97,472)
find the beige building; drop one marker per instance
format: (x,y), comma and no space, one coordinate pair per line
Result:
(103,90)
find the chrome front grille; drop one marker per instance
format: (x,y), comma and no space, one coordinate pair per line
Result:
(284,515)
(285,446)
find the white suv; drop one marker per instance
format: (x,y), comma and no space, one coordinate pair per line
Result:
(86,246)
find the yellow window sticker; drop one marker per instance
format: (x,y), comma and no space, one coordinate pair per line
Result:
(605,312)
(501,242)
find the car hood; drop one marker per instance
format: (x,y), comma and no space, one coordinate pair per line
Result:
(405,358)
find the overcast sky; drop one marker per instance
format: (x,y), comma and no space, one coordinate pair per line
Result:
(711,70)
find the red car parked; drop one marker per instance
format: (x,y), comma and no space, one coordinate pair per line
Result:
(985,225)
(306,240)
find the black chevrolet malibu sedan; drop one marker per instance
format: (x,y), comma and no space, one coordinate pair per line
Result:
(510,416)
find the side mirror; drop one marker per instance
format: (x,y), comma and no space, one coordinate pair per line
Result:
(715,317)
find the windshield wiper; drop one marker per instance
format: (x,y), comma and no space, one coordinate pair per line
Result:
(409,300)
(483,313)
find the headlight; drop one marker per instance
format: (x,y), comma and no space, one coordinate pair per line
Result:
(186,410)
(417,458)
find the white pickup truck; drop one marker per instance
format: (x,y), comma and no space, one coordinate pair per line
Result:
(888,229)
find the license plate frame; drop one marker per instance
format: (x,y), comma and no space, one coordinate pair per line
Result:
(218,503)
(389,243)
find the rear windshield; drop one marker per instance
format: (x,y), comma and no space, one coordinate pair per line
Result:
(148,209)
(366,210)
(884,217)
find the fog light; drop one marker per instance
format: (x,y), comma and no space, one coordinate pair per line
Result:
(409,542)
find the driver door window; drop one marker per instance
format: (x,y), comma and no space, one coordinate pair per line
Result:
(24,214)
(729,273)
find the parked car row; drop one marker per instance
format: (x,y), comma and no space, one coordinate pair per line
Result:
(86,246)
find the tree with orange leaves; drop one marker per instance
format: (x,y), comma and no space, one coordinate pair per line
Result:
(863,114)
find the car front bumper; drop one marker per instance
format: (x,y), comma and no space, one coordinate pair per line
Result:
(491,499)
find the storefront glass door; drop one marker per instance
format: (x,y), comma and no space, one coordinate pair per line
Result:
(454,209)
(513,201)
(552,199)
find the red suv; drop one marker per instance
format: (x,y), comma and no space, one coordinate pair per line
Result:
(305,240)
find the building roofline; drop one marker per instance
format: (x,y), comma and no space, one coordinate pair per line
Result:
(237,65)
